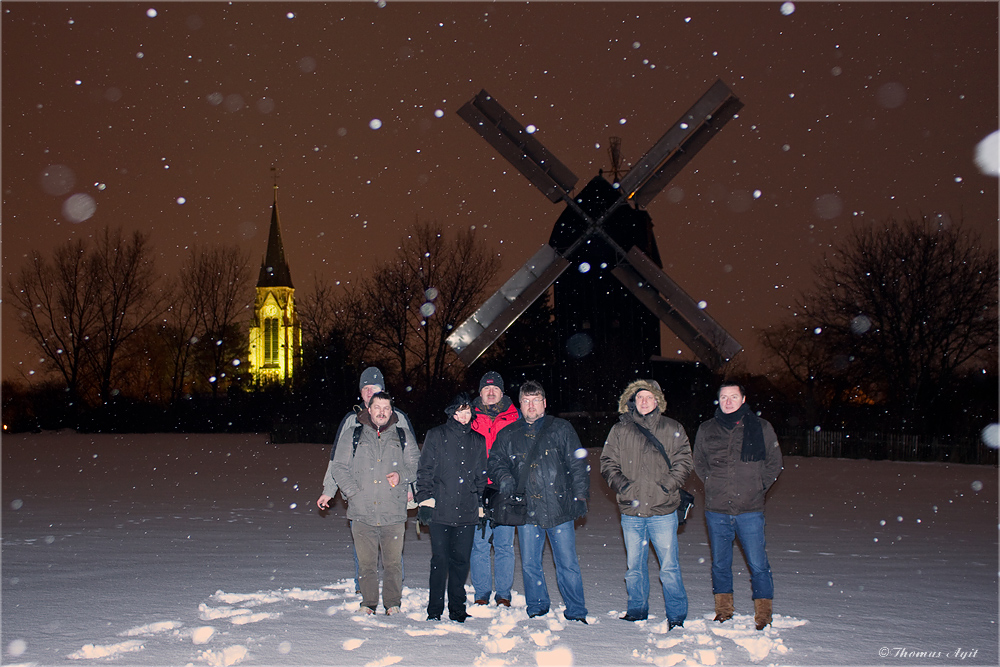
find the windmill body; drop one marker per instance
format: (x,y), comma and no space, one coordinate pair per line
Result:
(606,326)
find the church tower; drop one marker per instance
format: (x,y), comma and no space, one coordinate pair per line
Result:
(275,336)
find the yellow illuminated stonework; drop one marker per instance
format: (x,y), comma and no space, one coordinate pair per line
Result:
(275,336)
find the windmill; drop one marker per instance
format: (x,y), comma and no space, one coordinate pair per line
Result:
(605,224)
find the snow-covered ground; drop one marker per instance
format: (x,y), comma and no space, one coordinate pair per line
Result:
(209,550)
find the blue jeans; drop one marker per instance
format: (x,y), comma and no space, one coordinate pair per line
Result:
(562,539)
(749,527)
(502,573)
(662,532)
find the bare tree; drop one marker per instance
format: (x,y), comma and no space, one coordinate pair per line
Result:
(412,302)
(901,310)
(318,312)
(58,309)
(218,280)
(125,282)
(178,334)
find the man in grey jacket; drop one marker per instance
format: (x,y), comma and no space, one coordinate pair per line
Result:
(736,455)
(374,477)
(647,477)
(372,382)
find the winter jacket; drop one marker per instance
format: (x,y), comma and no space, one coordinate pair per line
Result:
(636,471)
(452,471)
(350,422)
(733,486)
(558,483)
(361,474)
(489,426)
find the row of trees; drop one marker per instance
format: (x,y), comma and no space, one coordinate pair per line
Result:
(898,332)
(110,328)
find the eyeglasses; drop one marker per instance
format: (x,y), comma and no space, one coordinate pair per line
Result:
(538,400)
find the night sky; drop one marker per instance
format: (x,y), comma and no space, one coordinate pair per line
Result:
(167,117)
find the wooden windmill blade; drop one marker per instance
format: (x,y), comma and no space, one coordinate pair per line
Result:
(680,143)
(502,131)
(486,325)
(675,308)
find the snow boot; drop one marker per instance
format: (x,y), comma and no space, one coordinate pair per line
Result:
(723,607)
(762,613)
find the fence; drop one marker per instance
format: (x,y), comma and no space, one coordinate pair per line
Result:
(891,446)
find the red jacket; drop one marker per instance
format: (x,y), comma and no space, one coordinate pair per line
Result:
(490,426)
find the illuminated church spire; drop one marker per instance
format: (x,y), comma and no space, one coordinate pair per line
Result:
(275,335)
(274,271)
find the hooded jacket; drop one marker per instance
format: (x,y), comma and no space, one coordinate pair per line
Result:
(361,474)
(557,485)
(632,465)
(452,471)
(733,486)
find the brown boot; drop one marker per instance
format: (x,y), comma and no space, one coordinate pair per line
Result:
(762,613)
(723,607)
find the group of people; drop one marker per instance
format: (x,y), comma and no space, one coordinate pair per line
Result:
(492,469)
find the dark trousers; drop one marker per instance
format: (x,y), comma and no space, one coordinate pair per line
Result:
(451,547)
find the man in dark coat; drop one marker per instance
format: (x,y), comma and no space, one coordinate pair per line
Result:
(450,482)
(545,452)
(736,455)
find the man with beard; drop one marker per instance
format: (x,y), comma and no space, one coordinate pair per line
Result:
(374,474)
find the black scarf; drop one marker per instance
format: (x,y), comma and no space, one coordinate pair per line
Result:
(753,432)
(492,411)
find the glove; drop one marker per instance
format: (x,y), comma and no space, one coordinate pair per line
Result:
(425,512)
(483,521)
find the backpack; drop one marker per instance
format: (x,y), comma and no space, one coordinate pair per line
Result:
(360,427)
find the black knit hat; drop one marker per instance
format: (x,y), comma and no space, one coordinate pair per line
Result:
(491,378)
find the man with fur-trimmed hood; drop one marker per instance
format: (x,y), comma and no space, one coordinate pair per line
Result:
(646,460)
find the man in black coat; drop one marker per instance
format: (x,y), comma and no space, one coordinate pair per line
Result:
(540,459)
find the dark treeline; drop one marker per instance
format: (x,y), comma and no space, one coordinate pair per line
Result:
(897,334)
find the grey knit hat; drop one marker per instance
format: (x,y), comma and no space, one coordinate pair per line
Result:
(372,375)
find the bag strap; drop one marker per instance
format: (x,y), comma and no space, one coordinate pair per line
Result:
(357,437)
(653,439)
(530,458)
